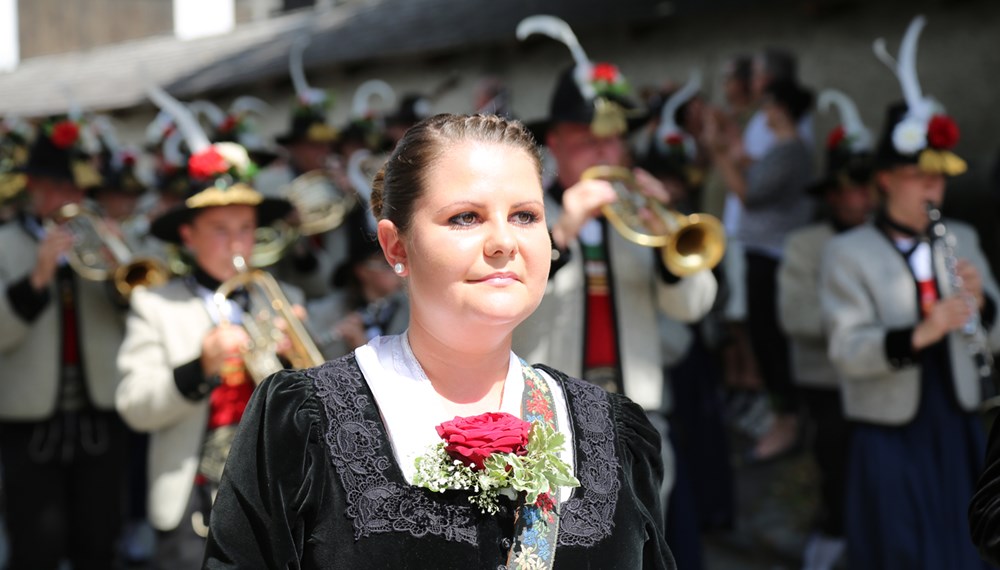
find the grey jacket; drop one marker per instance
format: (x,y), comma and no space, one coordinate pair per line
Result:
(799,307)
(554,333)
(866,291)
(29,351)
(165,329)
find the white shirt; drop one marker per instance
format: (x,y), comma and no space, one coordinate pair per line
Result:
(411,409)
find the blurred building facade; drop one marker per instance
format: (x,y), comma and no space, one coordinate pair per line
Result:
(102,52)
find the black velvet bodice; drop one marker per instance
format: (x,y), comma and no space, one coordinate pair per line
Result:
(312,482)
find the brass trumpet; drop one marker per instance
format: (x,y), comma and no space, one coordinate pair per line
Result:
(691,243)
(268,319)
(99,255)
(321,207)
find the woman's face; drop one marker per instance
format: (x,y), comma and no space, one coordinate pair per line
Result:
(477,251)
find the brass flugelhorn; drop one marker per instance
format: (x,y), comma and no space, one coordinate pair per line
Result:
(268,318)
(690,243)
(320,206)
(100,255)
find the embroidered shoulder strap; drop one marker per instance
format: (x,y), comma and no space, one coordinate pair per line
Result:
(535,529)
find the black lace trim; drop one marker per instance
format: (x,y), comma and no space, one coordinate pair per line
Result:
(588,516)
(360,451)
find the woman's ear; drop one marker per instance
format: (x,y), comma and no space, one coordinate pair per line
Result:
(393,246)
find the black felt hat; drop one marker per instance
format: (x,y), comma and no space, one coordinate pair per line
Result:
(308,123)
(933,154)
(58,153)
(586,93)
(848,157)
(607,114)
(362,245)
(916,131)
(269,210)
(412,109)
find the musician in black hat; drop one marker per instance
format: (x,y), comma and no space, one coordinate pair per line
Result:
(63,446)
(183,373)
(368,300)
(896,296)
(598,319)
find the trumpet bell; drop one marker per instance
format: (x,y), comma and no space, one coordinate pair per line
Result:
(320,205)
(141,272)
(698,244)
(100,255)
(689,244)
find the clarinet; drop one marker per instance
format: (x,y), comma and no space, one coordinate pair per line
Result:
(972,331)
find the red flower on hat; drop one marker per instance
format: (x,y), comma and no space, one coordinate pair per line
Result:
(674,139)
(207,164)
(229,124)
(942,132)
(835,137)
(64,134)
(605,72)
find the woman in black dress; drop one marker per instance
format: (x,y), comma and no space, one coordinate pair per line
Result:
(322,472)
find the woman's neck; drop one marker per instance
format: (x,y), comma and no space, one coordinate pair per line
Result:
(466,370)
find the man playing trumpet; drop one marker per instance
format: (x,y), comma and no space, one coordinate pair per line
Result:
(62,444)
(182,364)
(599,318)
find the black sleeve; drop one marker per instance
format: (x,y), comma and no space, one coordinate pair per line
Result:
(27,302)
(661,269)
(191,381)
(560,257)
(272,488)
(988,315)
(899,347)
(984,508)
(304,261)
(642,463)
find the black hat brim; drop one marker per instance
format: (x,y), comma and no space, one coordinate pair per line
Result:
(167,226)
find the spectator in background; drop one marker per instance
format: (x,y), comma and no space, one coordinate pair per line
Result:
(724,126)
(848,193)
(368,300)
(772,191)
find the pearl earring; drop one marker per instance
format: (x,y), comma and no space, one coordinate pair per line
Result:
(398,268)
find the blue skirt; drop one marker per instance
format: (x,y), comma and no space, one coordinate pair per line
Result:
(909,486)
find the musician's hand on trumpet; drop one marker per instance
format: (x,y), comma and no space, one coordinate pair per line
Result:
(649,186)
(581,202)
(222,353)
(284,345)
(53,245)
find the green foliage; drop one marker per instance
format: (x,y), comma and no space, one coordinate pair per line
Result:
(538,471)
